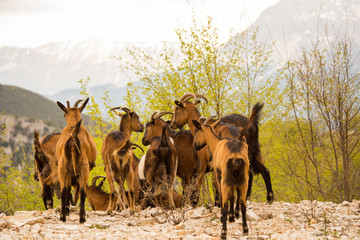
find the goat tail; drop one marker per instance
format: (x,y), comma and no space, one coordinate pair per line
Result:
(235,163)
(256,113)
(74,138)
(164,142)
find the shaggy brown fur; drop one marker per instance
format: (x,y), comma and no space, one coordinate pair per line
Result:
(160,166)
(76,151)
(183,141)
(231,165)
(117,155)
(45,162)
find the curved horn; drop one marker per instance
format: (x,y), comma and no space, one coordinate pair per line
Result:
(201,96)
(134,144)
(116,112)
(154,113)
(77,103)
(163,113)
(187,96)
(125,109)
(68,104)
(93,182)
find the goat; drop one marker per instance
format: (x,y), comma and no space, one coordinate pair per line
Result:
(159,166)
(183,141)
(186,111)
(117,155)
(231,166)
(45,163)
(97,197)
(76,153)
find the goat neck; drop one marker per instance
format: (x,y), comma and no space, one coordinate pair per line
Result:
(193,114)
(124,125)
(212,139)
(72,116)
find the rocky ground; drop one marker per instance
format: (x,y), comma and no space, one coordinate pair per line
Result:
(280,220)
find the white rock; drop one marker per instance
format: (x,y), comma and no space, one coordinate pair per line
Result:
(251,216)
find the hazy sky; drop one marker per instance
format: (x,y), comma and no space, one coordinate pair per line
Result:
(30,23)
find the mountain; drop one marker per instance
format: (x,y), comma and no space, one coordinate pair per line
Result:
(293,24)
(116,94)
(55,67)
(20,102)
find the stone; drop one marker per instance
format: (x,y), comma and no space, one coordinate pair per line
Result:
(251,216)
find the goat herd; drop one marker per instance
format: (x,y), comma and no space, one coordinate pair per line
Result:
(229,146)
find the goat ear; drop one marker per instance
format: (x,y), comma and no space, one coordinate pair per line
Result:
(132,113)
(84,104)
(62,106)
(178,103)
(152,121)
(196,124)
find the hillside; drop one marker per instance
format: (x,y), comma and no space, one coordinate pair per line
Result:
(20,102)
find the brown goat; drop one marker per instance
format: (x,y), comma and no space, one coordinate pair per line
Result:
(45,163)
(186,111)
(97,197)
(117,155)
(159,169)
(231,166)
(183,141)
(76,152)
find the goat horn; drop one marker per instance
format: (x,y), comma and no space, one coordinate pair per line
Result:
(77,103)
(154,113)
(134,144)
(125,109)
(68,104)
(187,96)
(202,96)
(116,112)
(93,182)
(163,113)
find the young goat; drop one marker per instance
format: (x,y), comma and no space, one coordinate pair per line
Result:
(183,141)
(97,197)
(76,153)
(159,167)
(45,163)
(117,155)
(231,166)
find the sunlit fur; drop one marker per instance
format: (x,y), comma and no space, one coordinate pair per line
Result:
(117,155)
(183,141)
(76,152)
(160,166)
(231,167)
(45,163)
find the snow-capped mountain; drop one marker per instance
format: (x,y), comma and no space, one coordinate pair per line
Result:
(55,67)
(293,24)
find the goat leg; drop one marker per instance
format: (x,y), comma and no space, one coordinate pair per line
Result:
(63,204)
(82,205)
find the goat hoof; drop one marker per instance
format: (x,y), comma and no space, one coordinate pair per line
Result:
(63,218)
(237,215)
(223,234)
(246,230)
(82,219)
(231,219)
(270,198)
